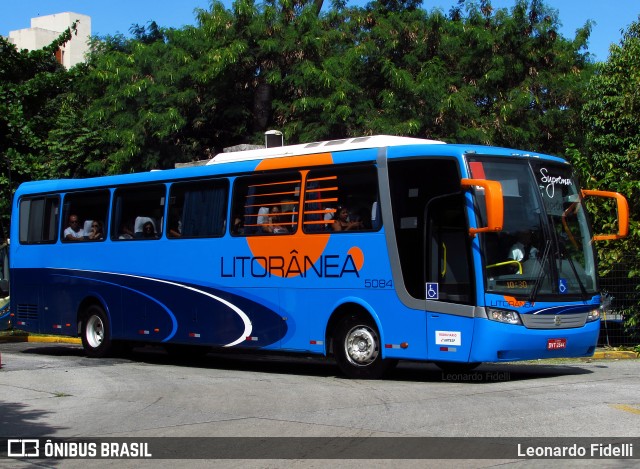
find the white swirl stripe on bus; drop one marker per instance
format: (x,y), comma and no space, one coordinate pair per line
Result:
(248,328)
(174,321)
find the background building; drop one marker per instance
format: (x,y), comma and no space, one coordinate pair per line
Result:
(44,29)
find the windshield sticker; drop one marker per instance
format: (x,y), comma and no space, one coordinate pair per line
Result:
(551,182)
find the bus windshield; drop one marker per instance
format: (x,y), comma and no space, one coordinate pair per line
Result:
(545,246)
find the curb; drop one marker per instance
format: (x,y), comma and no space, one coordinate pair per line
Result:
(614,354)
(41,339)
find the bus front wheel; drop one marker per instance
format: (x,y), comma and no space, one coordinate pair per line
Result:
(96,334)
(357,349)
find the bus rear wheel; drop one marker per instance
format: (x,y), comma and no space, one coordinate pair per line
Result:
(357,349)
(96,333)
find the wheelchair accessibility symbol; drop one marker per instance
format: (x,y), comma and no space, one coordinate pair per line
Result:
(562,285)
(432,291)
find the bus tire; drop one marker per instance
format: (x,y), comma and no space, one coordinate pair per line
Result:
(96,333)
(357,349)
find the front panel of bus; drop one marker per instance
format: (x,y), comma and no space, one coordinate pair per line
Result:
(528,290)
(539,271)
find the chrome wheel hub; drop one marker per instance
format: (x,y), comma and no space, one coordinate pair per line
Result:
(361,346)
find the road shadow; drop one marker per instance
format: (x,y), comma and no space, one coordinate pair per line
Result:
(281,363)
(19,420)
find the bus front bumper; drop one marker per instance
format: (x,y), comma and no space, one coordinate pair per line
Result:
(494,342)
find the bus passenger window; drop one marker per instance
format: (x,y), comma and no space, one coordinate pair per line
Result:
(341,199)
(83,215)
(39,220)
(135,209)
(197,209)
(268,204)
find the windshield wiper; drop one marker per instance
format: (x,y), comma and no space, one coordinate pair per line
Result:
(583,290)
(542,273)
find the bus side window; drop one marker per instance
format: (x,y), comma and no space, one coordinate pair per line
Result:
(257,197)
(39,220)
(328,192)
(89,208)
(197,209)
(138,213)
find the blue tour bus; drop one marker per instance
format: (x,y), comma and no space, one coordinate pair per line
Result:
(371,250)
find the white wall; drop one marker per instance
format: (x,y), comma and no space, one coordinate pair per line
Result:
(44,29)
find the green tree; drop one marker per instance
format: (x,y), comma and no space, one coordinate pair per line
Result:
(479,75)
(31,87)
(497,77)
(611,158)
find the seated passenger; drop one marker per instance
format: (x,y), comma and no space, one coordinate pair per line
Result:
(139,224)
(148,230)
(523,249)
(125,231)
(342,222)
(275,222)
(73,232)
(96,233)
(263,219)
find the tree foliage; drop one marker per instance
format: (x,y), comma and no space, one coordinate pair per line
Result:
(611,157)
(32,92)
(503,77)
(473,74)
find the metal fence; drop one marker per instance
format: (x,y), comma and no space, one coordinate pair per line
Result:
(624,294)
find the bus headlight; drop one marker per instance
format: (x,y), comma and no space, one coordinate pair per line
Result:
(593,315)
(504,315)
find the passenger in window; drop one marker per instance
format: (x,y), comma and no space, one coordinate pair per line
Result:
(523,249)
(73,232)
(125,231)
(138,226)
(148,231)
(275,222)
(175,226)
(343,223)
(263,219)
(96,233)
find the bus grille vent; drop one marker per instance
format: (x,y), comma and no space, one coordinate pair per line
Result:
(552,321)
(27,312)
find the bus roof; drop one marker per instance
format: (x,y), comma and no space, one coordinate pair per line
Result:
(357,143)
(244,161)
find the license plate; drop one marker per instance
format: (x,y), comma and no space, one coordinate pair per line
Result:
(556,344)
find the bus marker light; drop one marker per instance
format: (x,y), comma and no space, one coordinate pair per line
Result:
(57,326)
(448,349)
(67,325)
(194,334)
(143,332)
(252,338)
(316,342)
(156,330)
(404,345)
